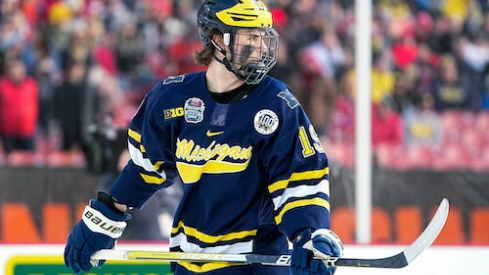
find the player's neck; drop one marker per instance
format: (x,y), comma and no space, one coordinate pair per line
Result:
(220,80)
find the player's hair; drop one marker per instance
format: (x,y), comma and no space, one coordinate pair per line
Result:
(205,56)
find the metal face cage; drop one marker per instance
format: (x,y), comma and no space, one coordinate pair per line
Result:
(254,52)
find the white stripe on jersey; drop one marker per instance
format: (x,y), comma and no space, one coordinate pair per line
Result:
(301,191)
(138,159)
(185,245)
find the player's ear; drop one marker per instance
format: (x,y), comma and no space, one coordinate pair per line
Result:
(218,40)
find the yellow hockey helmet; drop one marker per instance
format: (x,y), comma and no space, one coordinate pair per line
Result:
(227,17)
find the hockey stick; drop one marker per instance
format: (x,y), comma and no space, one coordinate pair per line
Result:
(397,261)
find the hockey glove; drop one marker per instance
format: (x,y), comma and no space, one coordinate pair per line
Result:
(310,249)
(100,226)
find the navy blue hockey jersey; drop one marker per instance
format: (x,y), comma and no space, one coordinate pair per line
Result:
(253,172)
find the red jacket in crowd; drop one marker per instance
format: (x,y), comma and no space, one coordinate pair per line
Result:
(18,107)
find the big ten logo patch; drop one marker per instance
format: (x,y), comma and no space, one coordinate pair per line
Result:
(173,113)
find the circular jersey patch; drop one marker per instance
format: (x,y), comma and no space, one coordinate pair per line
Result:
(266,122)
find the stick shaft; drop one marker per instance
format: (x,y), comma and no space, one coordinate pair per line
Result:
(396,261)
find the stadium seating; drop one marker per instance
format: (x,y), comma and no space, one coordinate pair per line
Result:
(391,156)
(480,163)
(473,137)
(454,123)
(58,158)
(452,156)
(408,157)
(341,153)
(482,121)
(386,155)
(416,157)
(24,158)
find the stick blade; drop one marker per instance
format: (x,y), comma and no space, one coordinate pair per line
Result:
(427,237)
(430,234)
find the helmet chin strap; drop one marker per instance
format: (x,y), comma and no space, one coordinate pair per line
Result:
(225,60)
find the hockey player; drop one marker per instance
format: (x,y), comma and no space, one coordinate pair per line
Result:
(253,171)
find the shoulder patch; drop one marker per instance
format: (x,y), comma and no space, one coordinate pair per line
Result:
(287,95)
(266,122)
(173,79)
(194,110)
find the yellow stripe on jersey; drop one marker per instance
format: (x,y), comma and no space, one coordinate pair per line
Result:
(299,203)
(137,137)
(308,175)
(205,267)
(206,238)
(152,179)
(134,135)
(191,173)
(157,165)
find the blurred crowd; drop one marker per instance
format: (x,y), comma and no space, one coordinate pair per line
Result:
(73,72)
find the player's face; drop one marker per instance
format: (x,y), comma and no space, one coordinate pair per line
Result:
(254,52)
(250,46)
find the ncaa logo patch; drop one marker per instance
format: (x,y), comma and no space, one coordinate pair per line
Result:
(266,122)
(194,110)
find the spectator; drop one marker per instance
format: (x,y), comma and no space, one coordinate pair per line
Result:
(323,57)
(422,124)
(474,55)
(69,101)
(342,124)
(425,66)
(103,99)
(14,31)
(404,94)
(449,92)
(396,9)
(77,50)
(387,125)
(442,36)
(181,52)
(319,63)
(18,108)
(456,10)
(104,54)
(383,79)
(405,51)
(321,104)
(47,75)
(129,49)
(285,69)
(424,26)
